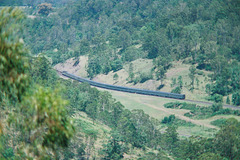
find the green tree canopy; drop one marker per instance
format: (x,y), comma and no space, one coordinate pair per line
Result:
(13,55)
(227,140)
(43,122)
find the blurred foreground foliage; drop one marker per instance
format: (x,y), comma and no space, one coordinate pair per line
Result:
(39,121)
(43,122)
(13,55)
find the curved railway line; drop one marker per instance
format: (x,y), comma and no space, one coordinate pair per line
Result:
(139,91)
(125,89)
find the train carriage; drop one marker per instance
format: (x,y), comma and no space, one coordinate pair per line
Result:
(125,89)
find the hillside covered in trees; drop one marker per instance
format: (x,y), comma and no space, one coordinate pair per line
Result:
(204,32)
(42,115)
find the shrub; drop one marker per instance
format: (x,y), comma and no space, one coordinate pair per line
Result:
(116,65)
(228,100)
(222,111)
(172,105)
(142,78)
(236,112)
(131,54)
(176,90)
(219,122)
(160,86)
(174,81)
(179,122)
(208,89)
(216,98)
(45,8)
(200,72)
(169,119)
(115,76)
(236,98)
(165,120)
(136,80)
(145,76)
(216,107)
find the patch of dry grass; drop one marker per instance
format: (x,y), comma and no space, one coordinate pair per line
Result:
(79,69)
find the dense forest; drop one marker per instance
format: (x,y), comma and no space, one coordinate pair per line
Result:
(206,32)
(38,109)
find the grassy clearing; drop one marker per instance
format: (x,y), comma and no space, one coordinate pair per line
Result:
(196,131)
(140,66)
(219,122)
(154,106)
(201,112)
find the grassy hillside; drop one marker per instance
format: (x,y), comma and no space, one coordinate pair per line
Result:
(144,66)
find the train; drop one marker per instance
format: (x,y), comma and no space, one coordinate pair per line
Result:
(124,89)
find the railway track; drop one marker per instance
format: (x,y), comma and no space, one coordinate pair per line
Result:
(210,103)
(125,89)
(180,97)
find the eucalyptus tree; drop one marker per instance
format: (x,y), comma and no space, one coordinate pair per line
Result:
(39,117)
